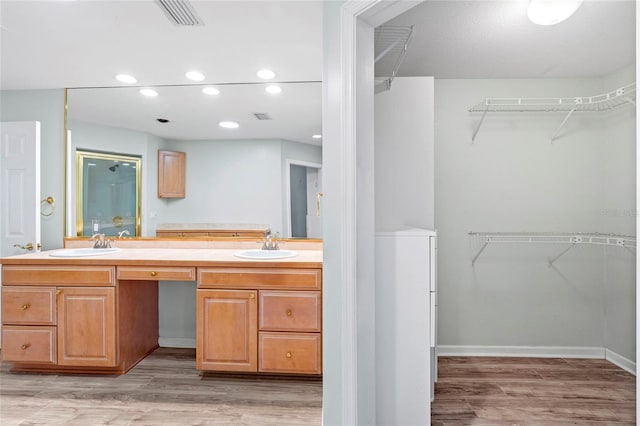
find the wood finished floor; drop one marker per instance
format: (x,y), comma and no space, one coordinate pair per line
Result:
(164,389)
(532,391)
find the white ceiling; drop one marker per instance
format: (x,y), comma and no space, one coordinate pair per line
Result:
(85,43)
(495,39)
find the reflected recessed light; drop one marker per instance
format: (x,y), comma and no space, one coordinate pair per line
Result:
(229,124)
(266,74)
(210,91)
(194,76)
(148,92)
(273,89)
(548,12)
(126,164)
(126,78)
(317,136)
(91,164)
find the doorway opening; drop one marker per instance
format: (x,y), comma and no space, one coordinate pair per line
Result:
(304,199)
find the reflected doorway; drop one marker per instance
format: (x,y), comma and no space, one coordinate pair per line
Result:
(304,199)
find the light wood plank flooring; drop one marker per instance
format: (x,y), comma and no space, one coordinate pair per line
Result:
(164,389)
(532,391)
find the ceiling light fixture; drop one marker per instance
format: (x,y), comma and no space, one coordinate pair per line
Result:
(229,124)
(148,92)
(266,74)
(126,78)
(210,91)
(273,89)
(194,76)
(317,136)
(551,12)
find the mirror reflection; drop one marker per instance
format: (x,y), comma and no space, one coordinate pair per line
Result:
(108,188)
(236,175)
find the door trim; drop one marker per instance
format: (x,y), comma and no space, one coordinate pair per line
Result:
(287,183)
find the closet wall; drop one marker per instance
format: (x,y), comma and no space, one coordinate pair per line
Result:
(514,179)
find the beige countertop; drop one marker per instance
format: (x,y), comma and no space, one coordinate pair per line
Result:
(170,257)
(213,226)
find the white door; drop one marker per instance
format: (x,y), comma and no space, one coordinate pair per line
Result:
(19,188)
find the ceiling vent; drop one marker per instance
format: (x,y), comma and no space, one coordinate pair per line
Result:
(262,116)
(180,12)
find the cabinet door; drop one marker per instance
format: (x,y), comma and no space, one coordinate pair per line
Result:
(227,330)
(86,326)
(171,174)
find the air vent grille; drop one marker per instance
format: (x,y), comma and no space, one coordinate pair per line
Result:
(262,116)
(180,12)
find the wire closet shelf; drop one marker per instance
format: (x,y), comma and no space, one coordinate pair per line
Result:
(483,239)
(391,45)
(624,95)
(598,103)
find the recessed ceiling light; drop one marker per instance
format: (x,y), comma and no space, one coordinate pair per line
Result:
(126,78)
(229,124)
(273,89)
(316,136)
(266,74)
(148,92)
(210,91)
(194,76)
(550,12)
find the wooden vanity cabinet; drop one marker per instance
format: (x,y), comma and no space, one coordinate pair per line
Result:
(75,318)
(266,320)
(172,166)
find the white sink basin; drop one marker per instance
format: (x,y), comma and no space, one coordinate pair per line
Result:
(83,252)
(265,254)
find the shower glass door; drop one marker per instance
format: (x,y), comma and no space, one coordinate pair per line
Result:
(108,193)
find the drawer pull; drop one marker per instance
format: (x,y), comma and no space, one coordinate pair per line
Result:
(25,306)
(153,273)
(288,355)
(25,346)
(289,312)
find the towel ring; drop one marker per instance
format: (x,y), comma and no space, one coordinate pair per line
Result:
(47,211)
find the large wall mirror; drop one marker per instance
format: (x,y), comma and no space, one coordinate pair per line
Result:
(239,175)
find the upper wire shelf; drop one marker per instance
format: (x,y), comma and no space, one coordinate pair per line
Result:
(391,44)
(599,103)
(483,239)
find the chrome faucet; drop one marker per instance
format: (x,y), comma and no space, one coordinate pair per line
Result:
(100,241)
(271,242)
(123,232)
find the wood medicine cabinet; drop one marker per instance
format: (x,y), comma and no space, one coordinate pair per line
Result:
(171,174)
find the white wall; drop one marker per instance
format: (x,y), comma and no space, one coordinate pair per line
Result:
(404,154)
(514,179)
(620,213)
(47,107)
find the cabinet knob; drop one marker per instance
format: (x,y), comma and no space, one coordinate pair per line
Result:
(289,312)
(25,306)
(252,296)
(288,355)
(25,346)
(59,291)
(154,273)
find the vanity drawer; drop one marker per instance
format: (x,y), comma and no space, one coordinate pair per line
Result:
(254,278)
(33,344)
(164,274)
(28,305)
(290,353)
(290,311)
(59,275)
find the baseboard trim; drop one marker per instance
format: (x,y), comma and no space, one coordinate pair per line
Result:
(523,351)
(176,342)
(622,362)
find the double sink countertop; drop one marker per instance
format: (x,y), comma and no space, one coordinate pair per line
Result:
(155,256)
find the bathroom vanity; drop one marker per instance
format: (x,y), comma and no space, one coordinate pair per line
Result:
(99,314)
